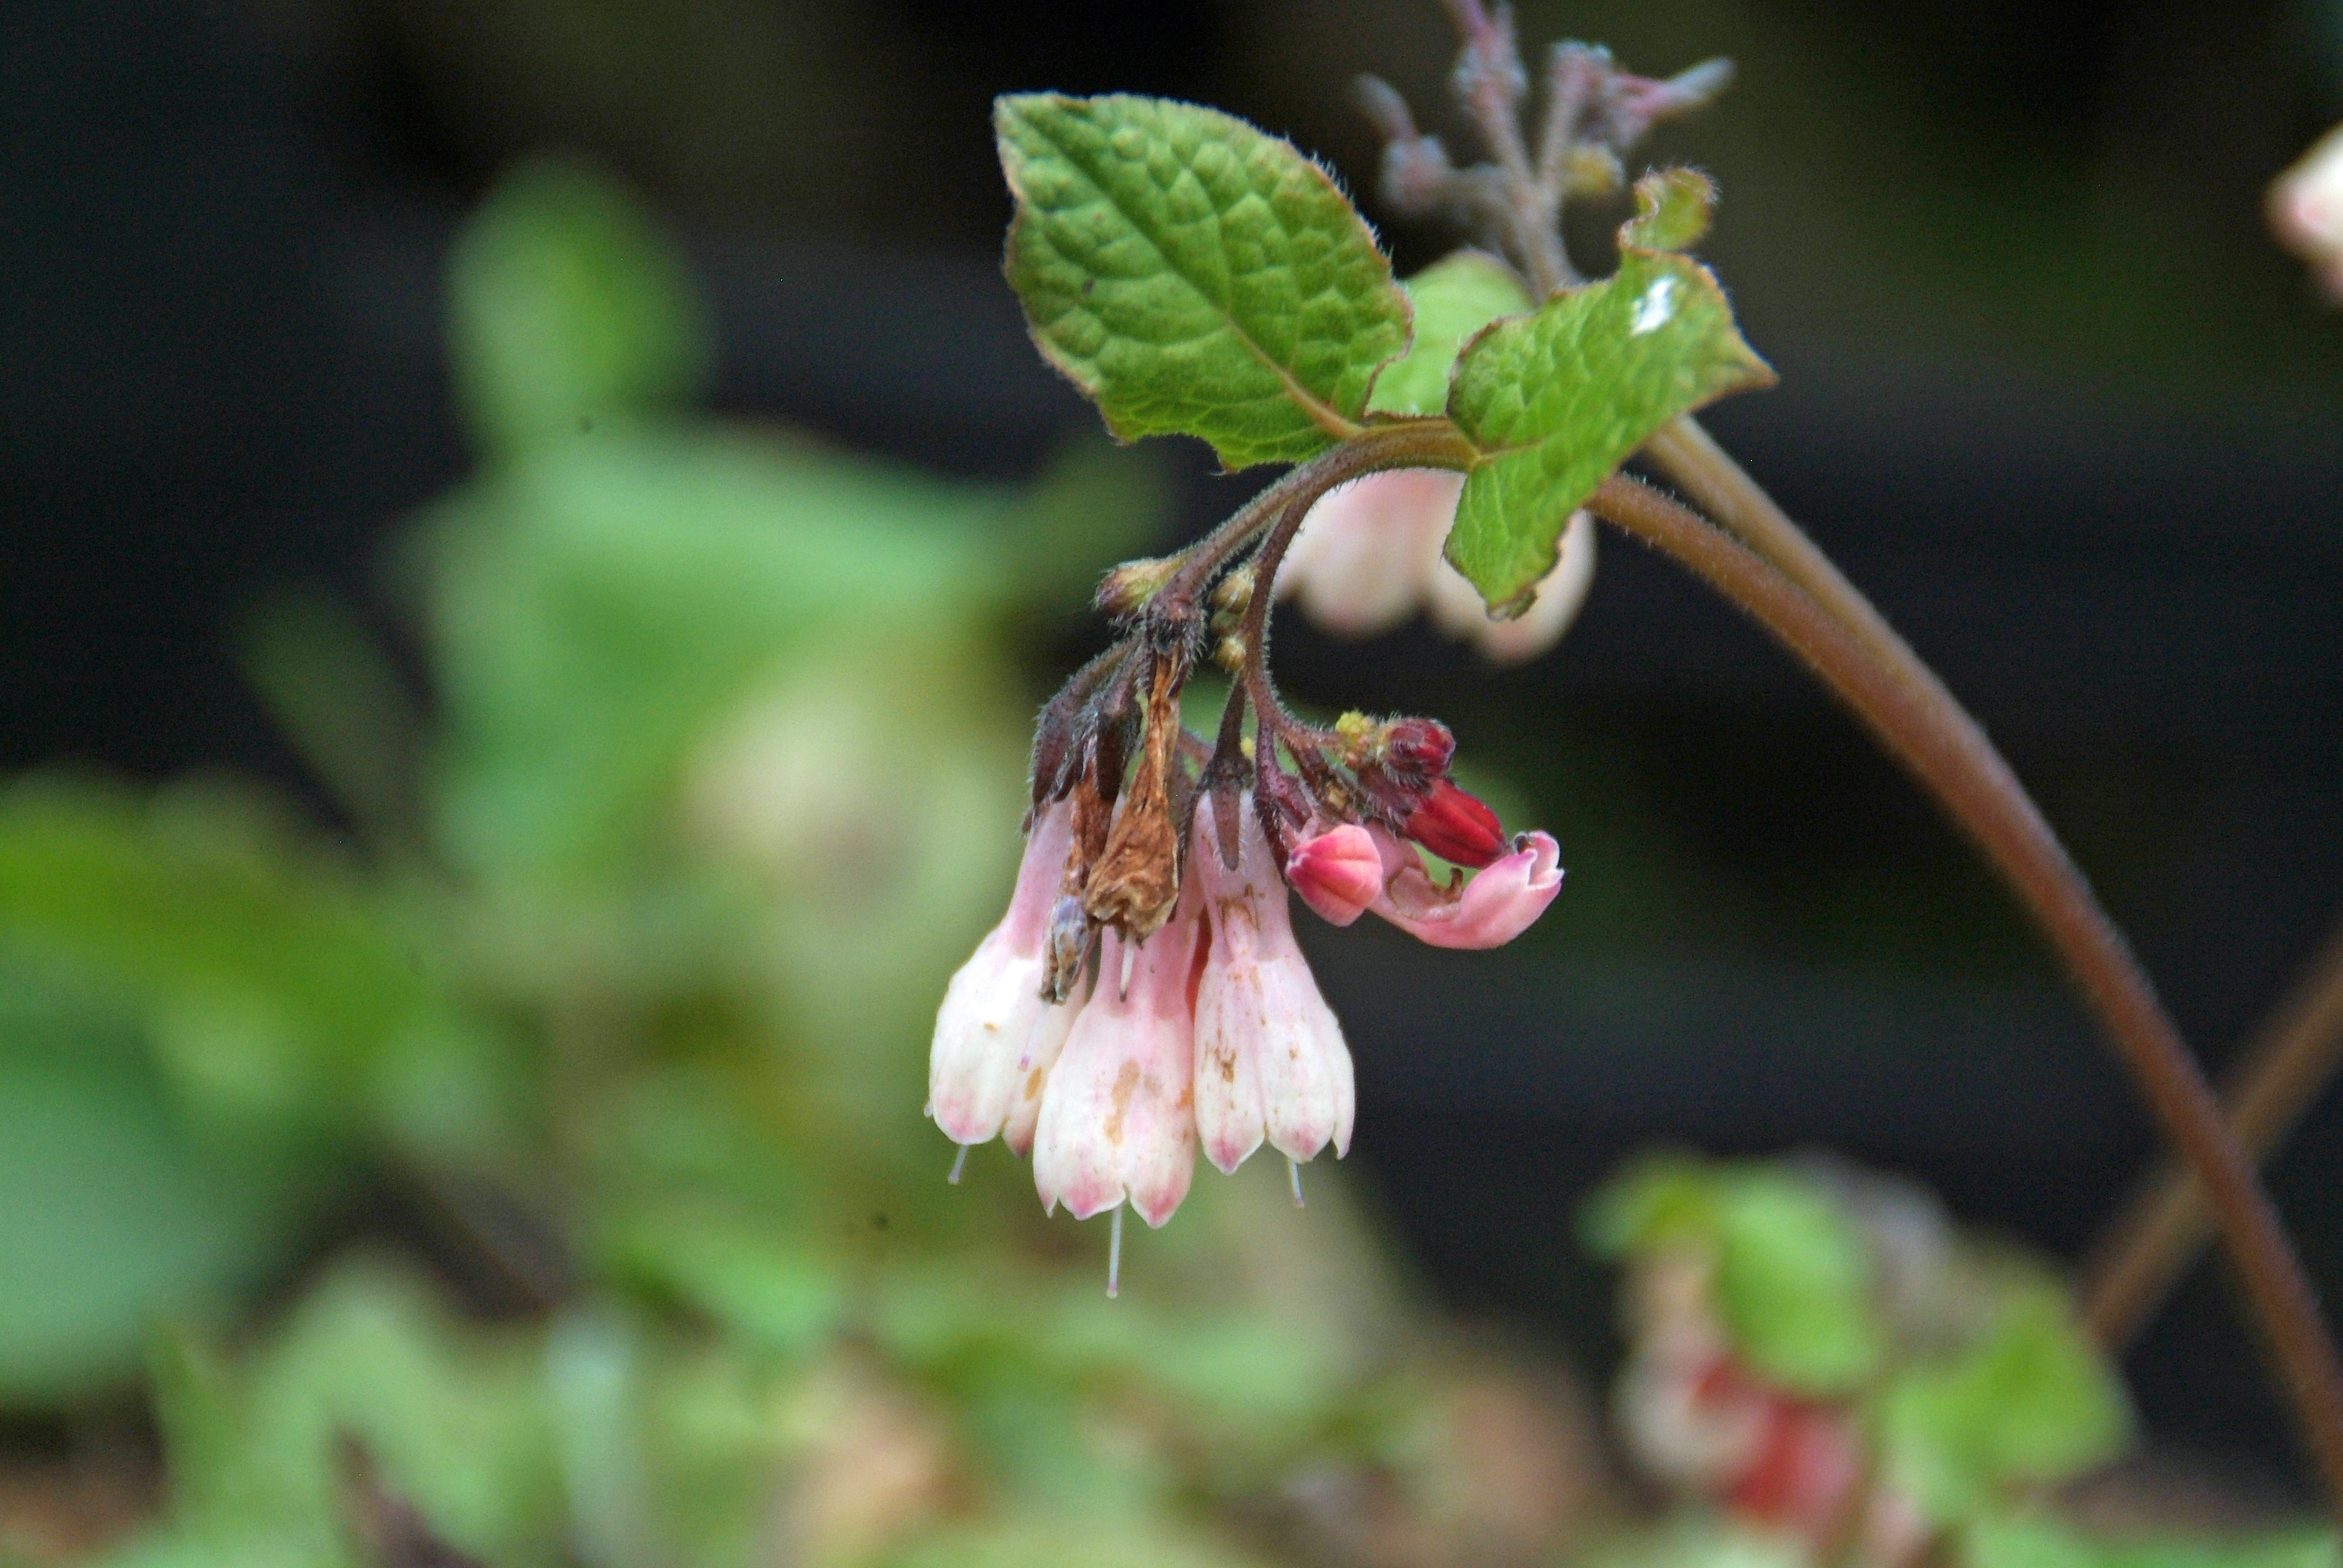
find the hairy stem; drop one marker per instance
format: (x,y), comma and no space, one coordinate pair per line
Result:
(1721,489)
(1404,444)
(1944,749)
(2151,1244)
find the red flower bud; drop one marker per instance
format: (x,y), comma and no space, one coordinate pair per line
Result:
(1418,748)
(1457,828)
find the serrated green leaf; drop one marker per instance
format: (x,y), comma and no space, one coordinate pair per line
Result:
(1672,210)
(2033,1402)
(1793,1283)
(1455,298)
(1555,401)
(1194,275)
(567,308)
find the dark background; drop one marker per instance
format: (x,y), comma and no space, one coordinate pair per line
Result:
(2048,393)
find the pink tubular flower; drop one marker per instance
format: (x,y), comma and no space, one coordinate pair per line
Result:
(1338,871)
(1360,562)
(1117,1116)
(1270,1058)
(1497,905)
(995,1037)
(1369,557)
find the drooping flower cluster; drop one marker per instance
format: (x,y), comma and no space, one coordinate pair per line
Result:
(1145,993)
(1368,558)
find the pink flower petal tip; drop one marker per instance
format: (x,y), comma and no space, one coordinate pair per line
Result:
(1497,905)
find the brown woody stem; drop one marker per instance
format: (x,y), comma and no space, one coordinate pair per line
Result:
(1930,733)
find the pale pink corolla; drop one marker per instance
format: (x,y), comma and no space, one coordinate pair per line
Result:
(1500,903)
(2306,208)
(995,1038)
(1368,557)
(1361,561)
(1118,1119)
(1338,871)
(1270,1059)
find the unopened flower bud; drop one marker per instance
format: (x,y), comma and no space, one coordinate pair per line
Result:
(1457,828)
(1338,872)
(1130,586)
(1418,748)
(1233,593)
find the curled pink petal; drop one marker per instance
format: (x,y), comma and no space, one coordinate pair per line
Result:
(995,1038)
(1497,905)
(1338,872)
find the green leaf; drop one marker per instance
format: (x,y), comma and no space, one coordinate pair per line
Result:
(1194,275)
(1672,211)
(596,607)
(2038,1541)
(1455,298)
(567,310)
(281,994)
(455,1415)
(2034,1401)
(757,1280)
(1661,1197)
(1557,400)
(1794,1282)
(115,1212)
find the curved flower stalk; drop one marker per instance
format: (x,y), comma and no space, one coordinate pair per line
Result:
(1368,558)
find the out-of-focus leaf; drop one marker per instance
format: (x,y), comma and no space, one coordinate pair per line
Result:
(568,310)
(1455,298)
(1194,275)
(329,685)
(1096,504)
(114,1211)
(1793,1280)
(1660,1198)
(757,1280)
(2039,1542)
(1672,210)
(1071,1543)
(2033,1400)
(1556,400)
(454,1417)
(280,994)
(595,610)
(1693,1543)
